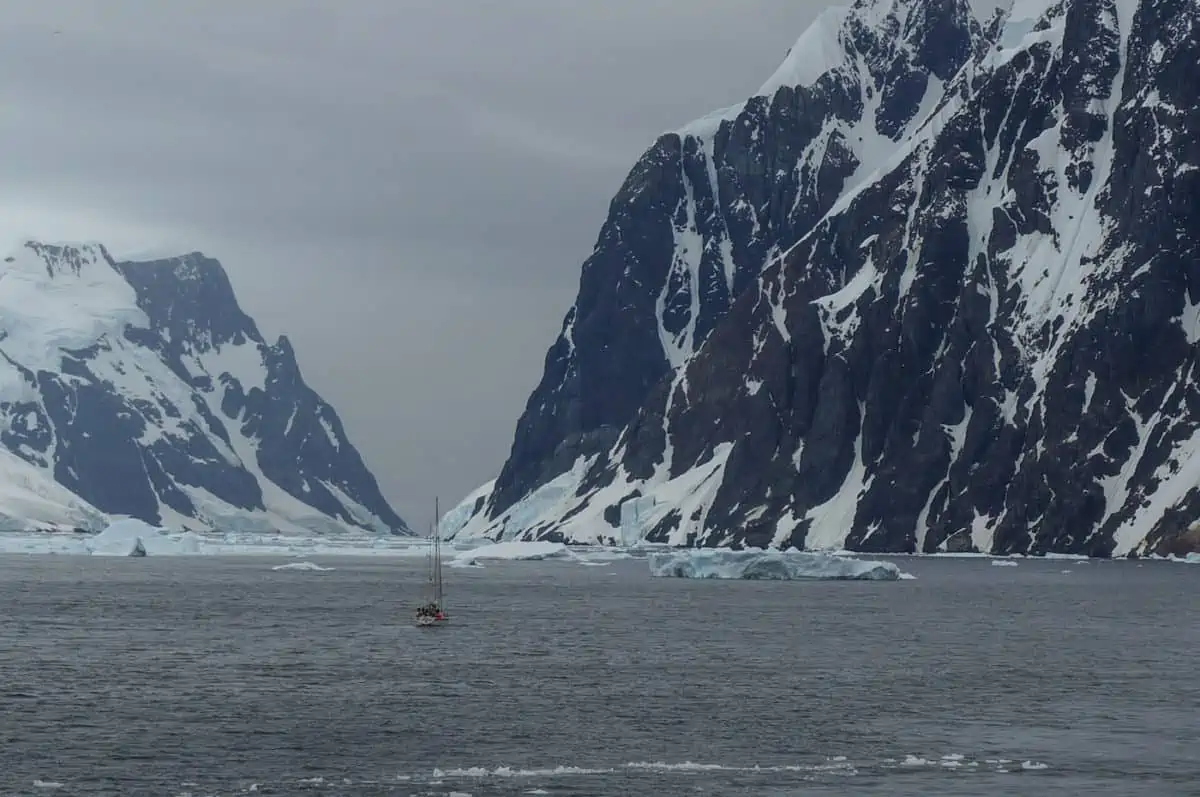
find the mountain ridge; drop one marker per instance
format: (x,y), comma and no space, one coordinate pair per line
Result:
(882,376)
(143,389)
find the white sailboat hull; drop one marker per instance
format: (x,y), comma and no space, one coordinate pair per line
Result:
(430,622)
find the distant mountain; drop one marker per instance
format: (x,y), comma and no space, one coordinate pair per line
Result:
(934,287)
(142,389)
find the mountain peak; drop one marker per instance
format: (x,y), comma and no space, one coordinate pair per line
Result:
(190,297)
(143,389)
(63,253)
(61,297)
(938,295)
(874,42)
(819,50)
(704,211)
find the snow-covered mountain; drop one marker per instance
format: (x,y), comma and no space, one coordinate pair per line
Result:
(934,287)
(142,389)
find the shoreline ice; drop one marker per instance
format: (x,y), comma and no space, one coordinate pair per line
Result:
(122,538)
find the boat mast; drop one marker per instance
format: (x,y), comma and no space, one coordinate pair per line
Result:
(437,555)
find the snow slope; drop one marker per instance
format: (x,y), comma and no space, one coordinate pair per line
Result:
(31,499)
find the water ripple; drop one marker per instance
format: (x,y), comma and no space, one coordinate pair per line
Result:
(210,676)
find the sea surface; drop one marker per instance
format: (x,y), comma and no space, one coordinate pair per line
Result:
(220,676)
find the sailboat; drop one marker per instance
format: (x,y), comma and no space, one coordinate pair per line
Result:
(433,612)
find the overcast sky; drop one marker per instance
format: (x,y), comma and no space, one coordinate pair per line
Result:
(406,188)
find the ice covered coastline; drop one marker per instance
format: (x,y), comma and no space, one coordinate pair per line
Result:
(131,537)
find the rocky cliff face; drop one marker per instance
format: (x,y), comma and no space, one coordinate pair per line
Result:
(934,288)
(143,389)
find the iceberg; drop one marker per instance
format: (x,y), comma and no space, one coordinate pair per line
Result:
(769,565)
(132,537)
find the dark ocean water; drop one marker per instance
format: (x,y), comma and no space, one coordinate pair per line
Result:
(219,676)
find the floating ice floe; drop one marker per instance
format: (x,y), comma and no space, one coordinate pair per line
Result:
(302,566)
(770,565)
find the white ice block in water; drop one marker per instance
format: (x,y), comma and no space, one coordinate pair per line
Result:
(132,537)
(302,566)
(123,538)
(768,565)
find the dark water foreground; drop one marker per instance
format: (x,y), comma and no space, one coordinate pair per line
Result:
(220,676)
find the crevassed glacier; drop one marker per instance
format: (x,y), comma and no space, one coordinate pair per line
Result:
(769,565)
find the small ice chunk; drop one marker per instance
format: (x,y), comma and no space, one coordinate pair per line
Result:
(911,760)
(1003,563)
(302,566)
